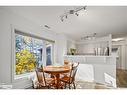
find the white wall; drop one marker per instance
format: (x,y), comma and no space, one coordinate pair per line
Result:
(88,46)
(85,48)
(62,48)
(70,44)
(7,19)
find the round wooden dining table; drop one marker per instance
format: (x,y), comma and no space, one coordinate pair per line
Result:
(56,71)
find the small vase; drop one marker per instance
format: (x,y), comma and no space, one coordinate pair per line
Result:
(72,53)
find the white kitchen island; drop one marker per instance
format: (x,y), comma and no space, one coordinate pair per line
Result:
(99,69)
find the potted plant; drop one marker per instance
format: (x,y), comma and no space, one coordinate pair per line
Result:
(73,51)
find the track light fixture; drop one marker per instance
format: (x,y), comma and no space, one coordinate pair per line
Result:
(74,11)
(89,37)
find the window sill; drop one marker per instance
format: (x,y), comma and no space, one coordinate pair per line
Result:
(23,76)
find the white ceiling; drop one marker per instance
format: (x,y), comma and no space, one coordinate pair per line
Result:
(102,20)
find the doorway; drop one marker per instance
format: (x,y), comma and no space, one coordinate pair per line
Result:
(121,72)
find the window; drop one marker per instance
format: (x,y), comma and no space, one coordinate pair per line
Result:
(31,52)
(49,53)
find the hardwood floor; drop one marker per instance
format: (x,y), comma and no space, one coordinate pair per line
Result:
(91,85)
(121,76)
(87,85)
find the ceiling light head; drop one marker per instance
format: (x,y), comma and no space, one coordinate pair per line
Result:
(71,11)
(47,26)
(84,8)
(94,34)
(76,14)
(66,16)
(89,37)
(62,19)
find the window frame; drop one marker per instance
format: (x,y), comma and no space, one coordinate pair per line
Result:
(52,52)
(14,31)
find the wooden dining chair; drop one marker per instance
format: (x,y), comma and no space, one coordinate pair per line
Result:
(66,62)
(43,82)
(70,78)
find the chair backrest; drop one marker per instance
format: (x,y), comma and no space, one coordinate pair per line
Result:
(66,62)
(73,71)
(41,76)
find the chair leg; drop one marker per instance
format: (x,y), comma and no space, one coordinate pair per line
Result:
(47,87)
(65,85)
(69,86)
(74,85)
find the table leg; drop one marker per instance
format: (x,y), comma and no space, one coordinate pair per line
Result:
(58,81)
